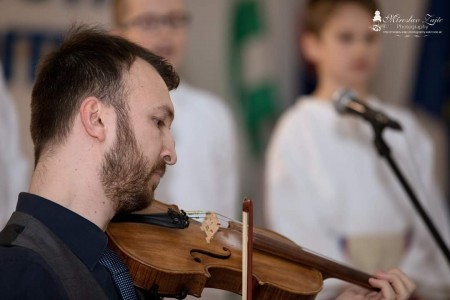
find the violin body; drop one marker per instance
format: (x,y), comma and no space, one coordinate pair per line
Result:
(182,259)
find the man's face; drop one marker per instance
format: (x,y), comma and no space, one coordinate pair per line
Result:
(158,25)
(136,161)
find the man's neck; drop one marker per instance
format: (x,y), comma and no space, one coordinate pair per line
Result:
(74,185)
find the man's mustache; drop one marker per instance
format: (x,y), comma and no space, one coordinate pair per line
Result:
(159,168)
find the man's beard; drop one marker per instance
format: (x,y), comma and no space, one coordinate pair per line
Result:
(126,173)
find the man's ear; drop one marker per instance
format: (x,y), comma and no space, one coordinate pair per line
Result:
(91,112)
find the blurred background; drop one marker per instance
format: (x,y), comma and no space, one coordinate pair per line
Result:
(235,46)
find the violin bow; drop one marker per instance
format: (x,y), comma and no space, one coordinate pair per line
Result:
(247,249)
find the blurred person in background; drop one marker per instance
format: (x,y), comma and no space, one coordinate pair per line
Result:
(327,189)
(13,166)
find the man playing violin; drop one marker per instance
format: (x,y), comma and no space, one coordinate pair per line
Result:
(101,117)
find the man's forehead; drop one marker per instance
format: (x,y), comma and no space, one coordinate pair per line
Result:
(144,83)
(143,73)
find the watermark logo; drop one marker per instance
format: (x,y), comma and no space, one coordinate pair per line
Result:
(407,27)
(377,21)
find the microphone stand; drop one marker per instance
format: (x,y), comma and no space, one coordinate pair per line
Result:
(384,151)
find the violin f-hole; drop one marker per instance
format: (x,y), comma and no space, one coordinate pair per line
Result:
(197,253)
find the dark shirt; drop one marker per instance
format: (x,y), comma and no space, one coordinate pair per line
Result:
(25,275)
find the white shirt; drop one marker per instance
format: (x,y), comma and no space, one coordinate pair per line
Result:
(205,176)
(330,191)
(13,167)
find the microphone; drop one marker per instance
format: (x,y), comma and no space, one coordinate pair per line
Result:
(346,101)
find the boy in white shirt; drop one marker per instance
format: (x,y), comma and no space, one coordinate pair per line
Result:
(327,188)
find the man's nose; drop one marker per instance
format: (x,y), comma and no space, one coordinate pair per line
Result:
(169,153)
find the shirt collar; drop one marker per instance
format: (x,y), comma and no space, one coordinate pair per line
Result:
(84,238)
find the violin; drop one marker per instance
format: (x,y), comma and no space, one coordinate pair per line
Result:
(181,257)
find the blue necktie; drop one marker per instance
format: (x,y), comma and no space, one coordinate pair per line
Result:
(119,274)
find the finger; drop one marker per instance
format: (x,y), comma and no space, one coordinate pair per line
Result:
(408,282)
(396,282)
(386,290)
(403,286)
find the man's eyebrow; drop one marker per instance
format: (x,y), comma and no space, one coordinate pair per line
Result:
(168,111)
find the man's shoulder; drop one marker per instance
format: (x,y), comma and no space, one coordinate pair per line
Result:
(25,274)
(19,254)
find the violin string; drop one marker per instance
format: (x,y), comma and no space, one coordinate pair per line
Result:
(198,214)
(198,217)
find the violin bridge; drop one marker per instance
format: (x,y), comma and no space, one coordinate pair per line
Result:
(210,226)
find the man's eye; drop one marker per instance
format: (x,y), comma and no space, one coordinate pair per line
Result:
(159,123)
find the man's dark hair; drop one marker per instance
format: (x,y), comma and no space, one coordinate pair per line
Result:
(89,62)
